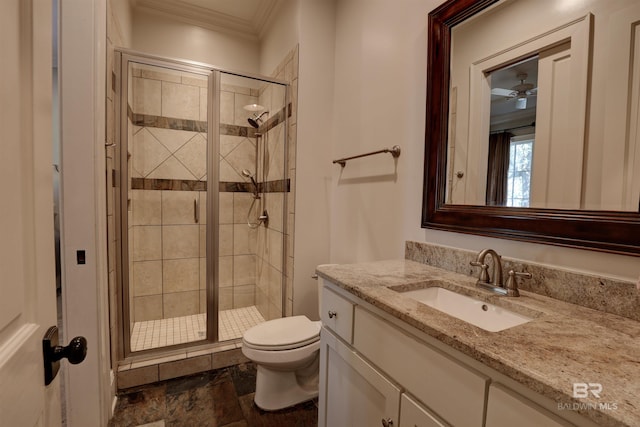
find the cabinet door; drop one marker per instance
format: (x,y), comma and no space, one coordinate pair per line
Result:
(412,414)
(506,408)
(352,392)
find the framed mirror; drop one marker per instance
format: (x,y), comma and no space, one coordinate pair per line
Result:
(599,213)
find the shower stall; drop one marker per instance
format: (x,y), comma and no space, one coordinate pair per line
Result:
(201,174)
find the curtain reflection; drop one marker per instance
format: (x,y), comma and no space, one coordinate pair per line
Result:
(498,168)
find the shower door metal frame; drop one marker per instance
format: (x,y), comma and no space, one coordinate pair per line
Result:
(121,58)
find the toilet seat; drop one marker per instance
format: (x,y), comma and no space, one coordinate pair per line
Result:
(286,333)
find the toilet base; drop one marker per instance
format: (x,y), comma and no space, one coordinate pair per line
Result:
(276,389)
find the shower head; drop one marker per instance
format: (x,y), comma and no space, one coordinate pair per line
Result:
(256,119)
(248,174)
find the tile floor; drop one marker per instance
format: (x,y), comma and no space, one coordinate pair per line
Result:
(178,330)
(233,323)
(220,398)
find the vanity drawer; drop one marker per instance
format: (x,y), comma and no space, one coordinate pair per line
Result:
(426,373)
(337,314)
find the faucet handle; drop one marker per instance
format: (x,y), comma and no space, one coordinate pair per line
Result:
(512,283)
(484,272)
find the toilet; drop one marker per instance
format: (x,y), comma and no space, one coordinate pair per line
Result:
(286,352)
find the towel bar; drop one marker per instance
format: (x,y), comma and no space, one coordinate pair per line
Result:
(395,152)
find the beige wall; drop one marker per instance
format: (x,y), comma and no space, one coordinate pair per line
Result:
(120,16)
(280,36)
(379,102)
(158,35)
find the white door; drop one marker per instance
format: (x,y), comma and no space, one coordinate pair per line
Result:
(27,272)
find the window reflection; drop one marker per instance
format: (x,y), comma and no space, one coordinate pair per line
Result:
(519,173)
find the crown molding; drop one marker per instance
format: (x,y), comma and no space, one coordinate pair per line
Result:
(212,20)
(265,15)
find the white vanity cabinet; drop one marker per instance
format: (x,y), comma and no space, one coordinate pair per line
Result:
(354,392)
(377,371)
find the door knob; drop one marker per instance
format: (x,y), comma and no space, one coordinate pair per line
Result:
(387,422)
(75,353)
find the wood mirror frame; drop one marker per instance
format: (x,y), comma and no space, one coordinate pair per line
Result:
(609,231)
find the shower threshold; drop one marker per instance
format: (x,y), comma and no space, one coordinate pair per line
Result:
(179,330)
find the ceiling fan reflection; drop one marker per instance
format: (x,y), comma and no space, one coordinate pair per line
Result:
(519,92)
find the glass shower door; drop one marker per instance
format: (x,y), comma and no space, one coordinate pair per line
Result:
(253,186)
(166,203)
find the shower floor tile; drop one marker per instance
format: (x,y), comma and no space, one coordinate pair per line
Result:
(233,323)
(179,330)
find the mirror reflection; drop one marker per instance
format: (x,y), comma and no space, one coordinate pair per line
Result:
(511,140)
(544,109)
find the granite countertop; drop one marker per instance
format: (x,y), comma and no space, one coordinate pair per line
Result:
(564,343)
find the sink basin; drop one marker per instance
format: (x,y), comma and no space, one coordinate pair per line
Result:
(479,313)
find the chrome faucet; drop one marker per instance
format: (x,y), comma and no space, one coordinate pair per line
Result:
(510,288)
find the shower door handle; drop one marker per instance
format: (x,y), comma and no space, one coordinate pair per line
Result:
(196,211)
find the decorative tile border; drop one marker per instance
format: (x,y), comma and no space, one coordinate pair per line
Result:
(148,120)
(168,122)
(279,186)
(235,130)
(168,184)
(599,293)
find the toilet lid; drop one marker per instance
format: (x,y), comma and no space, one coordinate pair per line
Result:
(287,332)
